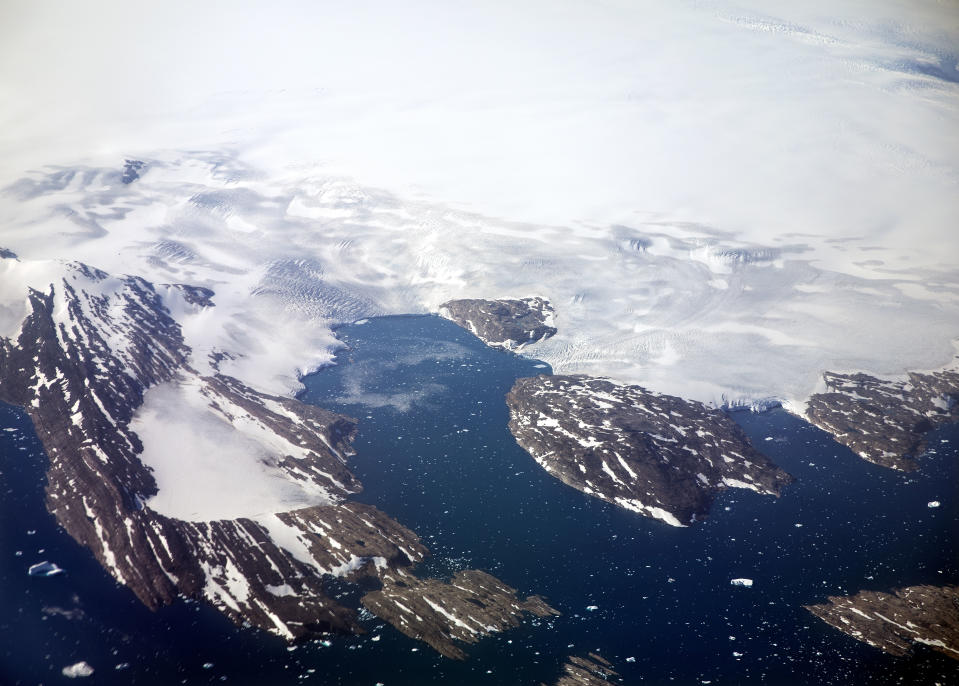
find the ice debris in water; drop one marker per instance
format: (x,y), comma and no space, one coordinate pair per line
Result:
(79,669)
(44,569)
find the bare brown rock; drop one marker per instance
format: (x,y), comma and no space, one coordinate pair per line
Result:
(657,455)
(471,605)
(510,324)
(885,422)
(895,622)
(592,670)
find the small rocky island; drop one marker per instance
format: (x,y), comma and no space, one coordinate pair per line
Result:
(509,324)
(592,670)
(895,622)
(658,455)
(885,422)
(472,605)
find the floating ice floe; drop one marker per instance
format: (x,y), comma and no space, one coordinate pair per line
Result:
(741,582)
(44,569)
(79,669)
(933,503)
(592,608)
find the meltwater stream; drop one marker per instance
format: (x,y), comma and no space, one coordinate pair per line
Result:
(434,452)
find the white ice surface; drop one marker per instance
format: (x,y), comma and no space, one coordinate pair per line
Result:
(641,316)
(79,669)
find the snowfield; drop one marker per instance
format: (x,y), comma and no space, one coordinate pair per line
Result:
(639,303)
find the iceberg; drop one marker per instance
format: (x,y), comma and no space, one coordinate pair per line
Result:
(741,582)
(44,569)
(79,669)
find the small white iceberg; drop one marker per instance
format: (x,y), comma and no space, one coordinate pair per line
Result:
(79,669)
(741,582)
(933,503)
(44,569)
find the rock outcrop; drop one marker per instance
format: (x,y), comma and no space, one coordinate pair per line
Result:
(895,622)
(592,670)
(658,455)
(471,605)
(509,324)
(885,422)
(131,171)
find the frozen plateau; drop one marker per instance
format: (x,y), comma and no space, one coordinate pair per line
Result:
(718,234)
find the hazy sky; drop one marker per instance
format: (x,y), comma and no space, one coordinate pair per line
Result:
(755,117)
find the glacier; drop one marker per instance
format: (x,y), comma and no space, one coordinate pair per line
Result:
(652,316)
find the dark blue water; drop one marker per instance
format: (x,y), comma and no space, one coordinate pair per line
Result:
(434,452)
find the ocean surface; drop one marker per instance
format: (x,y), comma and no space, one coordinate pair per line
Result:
(434,452)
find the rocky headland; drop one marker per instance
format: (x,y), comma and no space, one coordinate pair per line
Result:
(658,455)
(883,421)
(509,324)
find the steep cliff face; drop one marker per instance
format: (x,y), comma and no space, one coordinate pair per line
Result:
(90,356)
(882,421)
(658,455)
